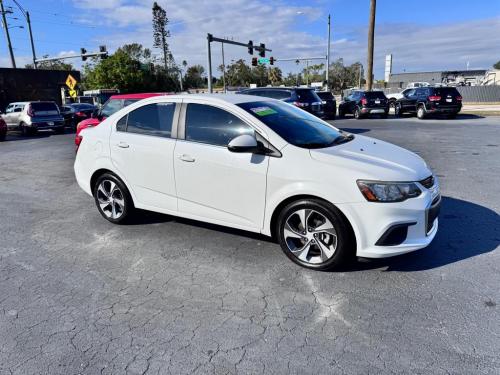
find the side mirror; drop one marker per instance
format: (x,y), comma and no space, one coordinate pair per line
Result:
(243,143)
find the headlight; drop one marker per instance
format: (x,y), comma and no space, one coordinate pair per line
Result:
(375,191)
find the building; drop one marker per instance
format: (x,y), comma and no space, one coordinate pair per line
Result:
(17,85)
(449,77)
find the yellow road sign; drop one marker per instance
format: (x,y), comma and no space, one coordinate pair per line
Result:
(72,93)
(71,82)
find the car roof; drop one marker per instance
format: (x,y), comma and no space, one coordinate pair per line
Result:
(277,88)
(223,98)
(142,95)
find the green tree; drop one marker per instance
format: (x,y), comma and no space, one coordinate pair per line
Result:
(239,74)
(275,76)
(194,77)
(130,69)
(497,65)
(342,77)
(161,33)
(51,65)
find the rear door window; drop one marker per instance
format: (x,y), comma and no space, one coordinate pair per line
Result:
(151,119)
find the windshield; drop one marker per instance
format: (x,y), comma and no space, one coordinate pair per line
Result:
(375,95)
(325,95)
(307,95)
(294,125)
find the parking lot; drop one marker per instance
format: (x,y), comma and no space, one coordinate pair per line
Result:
(79,295)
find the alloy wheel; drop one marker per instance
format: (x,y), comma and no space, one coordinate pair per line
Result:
(310,236)
(111,199)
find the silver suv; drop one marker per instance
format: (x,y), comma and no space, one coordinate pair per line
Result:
(30,117)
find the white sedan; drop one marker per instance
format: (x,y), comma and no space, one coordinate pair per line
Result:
(263,166)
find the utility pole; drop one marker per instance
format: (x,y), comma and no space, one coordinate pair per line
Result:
(7,36)
(26,15)
(328,57)
(371,37)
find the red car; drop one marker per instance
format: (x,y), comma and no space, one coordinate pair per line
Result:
(114,104)
(3,129)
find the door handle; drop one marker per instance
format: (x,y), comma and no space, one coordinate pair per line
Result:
(187,158)
(123,145)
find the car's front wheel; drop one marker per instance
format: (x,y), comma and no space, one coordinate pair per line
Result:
(313,234)
(113,199)
(397,110)
(357,114)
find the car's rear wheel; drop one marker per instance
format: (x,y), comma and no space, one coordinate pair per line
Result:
(113,199)
(357,113)
(421,112)
(341,113)
(313,234)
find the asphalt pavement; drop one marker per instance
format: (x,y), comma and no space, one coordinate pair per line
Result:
(79,295)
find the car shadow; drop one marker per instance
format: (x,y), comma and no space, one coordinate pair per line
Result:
(355,130)
(465,230)
(148,217)
(17,136)
(467,116)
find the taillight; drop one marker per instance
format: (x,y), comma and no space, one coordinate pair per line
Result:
(30,111)
(80,114)
(78,141)
(299,104)
(434,98)
(364,101)
(459,98)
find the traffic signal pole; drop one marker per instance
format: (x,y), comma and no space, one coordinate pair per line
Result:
(210,38)
(371,37)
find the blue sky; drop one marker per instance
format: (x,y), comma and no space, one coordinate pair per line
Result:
(436,35)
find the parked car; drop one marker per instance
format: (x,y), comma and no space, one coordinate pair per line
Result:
(364,103)
(302,97)
(3,130)
(329,104)
(427,101)
(114,103)
(29,117)
(395,96)
(264,166)
(76,112)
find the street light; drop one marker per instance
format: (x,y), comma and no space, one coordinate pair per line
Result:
(26,15)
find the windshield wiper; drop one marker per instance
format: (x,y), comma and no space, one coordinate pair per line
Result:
(342,139)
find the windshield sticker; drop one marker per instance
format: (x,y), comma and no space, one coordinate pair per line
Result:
(263,111)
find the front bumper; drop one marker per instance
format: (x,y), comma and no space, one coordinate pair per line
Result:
(371,221)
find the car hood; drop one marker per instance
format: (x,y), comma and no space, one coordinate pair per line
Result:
(373,159)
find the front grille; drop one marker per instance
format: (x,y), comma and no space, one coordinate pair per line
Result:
(428,182)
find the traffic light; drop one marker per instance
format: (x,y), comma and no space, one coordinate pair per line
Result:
(103,49)
(271,60)
(250,47)
(254,61)
(262,52)
(83,51)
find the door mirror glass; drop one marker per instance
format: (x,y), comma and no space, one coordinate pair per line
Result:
(243,143)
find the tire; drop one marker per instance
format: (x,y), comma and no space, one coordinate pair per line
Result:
(341,113)
(357,114)
(421,112)
(112,198)
(24,129)
(324,250)
(392,104)
(397,110)
(3,136)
